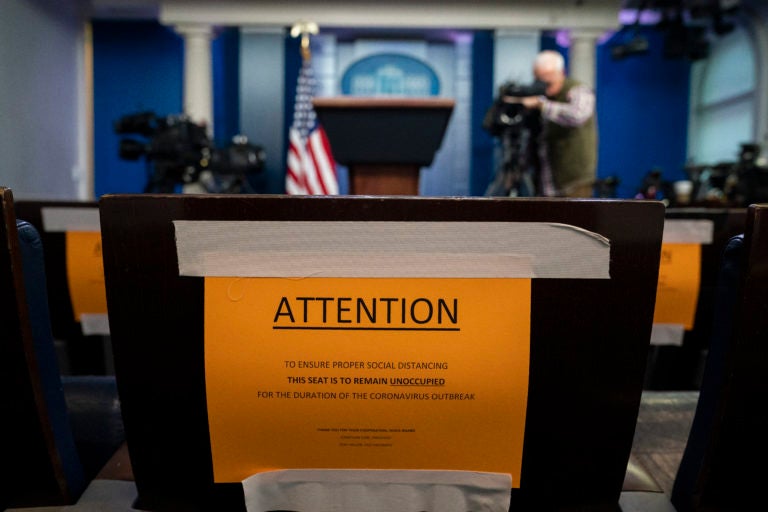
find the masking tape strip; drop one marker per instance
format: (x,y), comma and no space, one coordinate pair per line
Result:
(63,219)
(377,490)
(300,249)
(667,334)
(94,324)
(688,231)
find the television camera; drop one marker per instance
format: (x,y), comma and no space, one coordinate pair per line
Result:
(733,184)
(511,115)
(178,151)
(516,127)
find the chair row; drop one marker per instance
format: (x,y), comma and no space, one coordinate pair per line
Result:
(72,247)
(208,295)
(693,245)
(719,469)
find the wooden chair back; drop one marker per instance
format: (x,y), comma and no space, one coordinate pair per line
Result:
(679,367)
(588,338)
(87,349)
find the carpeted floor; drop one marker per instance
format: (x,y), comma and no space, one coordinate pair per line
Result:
(662,430)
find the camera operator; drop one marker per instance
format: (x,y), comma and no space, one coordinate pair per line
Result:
(568,139)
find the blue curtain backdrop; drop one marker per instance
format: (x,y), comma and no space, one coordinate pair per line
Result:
(139,66)
(642,105)
(483,170)
(225,52)
(292,65)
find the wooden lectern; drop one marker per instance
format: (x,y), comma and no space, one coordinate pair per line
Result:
(384,141)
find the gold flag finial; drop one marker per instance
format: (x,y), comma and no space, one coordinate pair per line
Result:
(304,29)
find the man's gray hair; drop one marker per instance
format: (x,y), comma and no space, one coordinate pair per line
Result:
(550,59)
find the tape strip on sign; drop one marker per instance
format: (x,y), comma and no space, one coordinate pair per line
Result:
(59,219)
(94,324)
(688,231)
(667,334)
(301,249)
(377,490)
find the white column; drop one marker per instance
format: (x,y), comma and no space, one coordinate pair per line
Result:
(582,57)
(198,77)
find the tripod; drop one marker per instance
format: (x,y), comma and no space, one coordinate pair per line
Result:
(512,177)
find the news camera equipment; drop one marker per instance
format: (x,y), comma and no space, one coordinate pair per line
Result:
(605,188)
(504,115)
(734,184)
(752,183)
(178,148)
(178,151)
(655,187)
(516,127)
(233,164)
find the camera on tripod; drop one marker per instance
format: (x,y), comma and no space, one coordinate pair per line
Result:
(503,115)
(179,151)
(516,127)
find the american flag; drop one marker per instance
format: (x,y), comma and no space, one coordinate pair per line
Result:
(311,168)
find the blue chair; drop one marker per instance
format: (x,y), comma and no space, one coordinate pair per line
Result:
(48,458)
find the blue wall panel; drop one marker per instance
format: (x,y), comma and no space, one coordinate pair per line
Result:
(642,106)
(138,66)
(483,95)
(225,51)
(293,62)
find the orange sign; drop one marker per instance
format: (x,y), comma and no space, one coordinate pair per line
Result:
(85,273)
(678,287)
(373,373)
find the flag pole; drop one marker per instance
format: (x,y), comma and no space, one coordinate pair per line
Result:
(304,29)
(311,169)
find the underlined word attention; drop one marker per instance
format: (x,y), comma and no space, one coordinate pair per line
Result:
(367,314)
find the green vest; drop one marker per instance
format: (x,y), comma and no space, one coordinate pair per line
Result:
(572,152)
